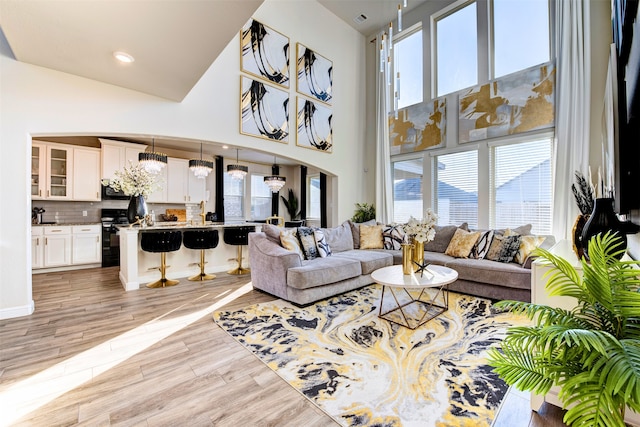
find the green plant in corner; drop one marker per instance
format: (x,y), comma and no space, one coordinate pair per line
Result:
(291,203)
(591,352)
(364,212)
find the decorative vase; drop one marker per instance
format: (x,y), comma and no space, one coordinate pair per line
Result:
(137,209)
(418,254)
(602,219)
(576,235)
(407,259)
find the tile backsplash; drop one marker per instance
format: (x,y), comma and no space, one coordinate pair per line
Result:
(72,212)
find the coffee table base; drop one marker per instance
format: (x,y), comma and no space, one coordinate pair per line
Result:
(416,311)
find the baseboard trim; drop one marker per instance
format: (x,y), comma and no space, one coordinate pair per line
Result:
(10,313)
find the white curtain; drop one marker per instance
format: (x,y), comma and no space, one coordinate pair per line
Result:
(384,190)
(573,103)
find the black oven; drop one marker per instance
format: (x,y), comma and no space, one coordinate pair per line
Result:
(110,238)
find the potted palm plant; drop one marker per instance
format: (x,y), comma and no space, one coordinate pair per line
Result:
(364,212)
(592,353)
(291,203)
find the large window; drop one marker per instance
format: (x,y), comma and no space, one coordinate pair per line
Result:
(313,197)
(522,189)
(407,190)
(457,191)
(520,34)
(456,50)
(233,198)
(260,198)
(407,63)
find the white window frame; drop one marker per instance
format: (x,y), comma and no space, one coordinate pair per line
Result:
(310,177)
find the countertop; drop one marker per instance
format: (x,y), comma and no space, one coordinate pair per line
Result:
(182,225)
(66,224)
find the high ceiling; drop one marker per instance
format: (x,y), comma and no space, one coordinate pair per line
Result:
(173,42)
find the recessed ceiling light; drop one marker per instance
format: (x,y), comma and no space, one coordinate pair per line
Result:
(225,147)
(123,57)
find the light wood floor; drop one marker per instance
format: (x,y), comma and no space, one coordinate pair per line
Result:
(93,354)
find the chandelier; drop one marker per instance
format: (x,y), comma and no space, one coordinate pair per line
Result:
(386,47)
(199,167)
(275,182)
(151,161)
(237,171)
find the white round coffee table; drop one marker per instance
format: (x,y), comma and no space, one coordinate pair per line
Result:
(406,309)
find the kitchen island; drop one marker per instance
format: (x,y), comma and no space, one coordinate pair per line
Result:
(138,267)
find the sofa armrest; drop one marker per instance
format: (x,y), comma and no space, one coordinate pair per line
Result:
(269,264)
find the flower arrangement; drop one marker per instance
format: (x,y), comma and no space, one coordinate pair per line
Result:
(134,180)
(422,230)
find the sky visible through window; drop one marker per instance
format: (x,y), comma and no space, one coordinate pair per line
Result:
(407,59)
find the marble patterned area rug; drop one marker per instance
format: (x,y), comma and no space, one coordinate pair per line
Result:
(365,371)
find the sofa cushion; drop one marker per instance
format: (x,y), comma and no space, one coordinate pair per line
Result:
(339,238)
(461,243)
(443,237)
(308,242)
(371,237)
(436,258)
(355,231)
(289,240)
(504,248)
(509,275)
(392,236)
(272,232)
(369,260)
(324,250)
(323,271)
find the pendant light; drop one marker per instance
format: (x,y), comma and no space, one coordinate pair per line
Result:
(237,171)
(275,182)
(151,161)
(200,168)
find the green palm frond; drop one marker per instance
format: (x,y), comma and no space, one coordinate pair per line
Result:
(591,352)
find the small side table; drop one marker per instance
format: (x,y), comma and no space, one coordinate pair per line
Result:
(407,310)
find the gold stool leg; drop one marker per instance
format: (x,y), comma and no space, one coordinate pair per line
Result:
(239,270)
(202,276)
(163,279)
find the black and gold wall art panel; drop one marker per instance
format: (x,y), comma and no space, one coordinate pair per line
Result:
(264,110)
(315,74)
(418,127)
(314,122)
(520,102)
(264,53)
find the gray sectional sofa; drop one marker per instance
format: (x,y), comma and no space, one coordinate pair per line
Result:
(285,274)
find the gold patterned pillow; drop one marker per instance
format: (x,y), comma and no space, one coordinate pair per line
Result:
(461,243)
(371,237)
(289,241)
(527,245)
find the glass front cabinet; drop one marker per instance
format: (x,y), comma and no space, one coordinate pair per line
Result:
(50,171)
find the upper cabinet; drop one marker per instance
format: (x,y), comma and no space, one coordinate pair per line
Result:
(117,154)
(51,171)
(86,174)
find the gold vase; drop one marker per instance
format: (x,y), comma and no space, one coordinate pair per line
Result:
(407,260)
(417,255)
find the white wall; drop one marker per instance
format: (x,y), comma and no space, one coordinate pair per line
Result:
(36,101)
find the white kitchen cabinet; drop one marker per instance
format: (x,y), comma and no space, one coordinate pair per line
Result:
(182,185)
(160,195)
(86,244)
(51,171)
(86,174)
(37,247)
(117,154)
(57,246)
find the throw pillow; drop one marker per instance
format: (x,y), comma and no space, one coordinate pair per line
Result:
(371,237)
(443,237)
(503,248)
(527,245)
(392,236)
(482,246)
(289,241)
(308,242)
(321,243)
(339,238)
(355,231)
(461,243)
